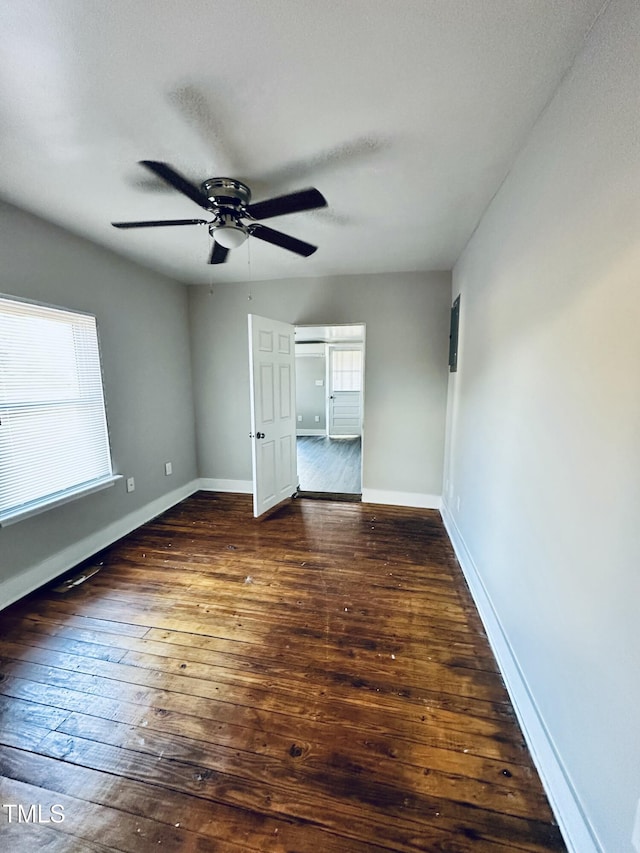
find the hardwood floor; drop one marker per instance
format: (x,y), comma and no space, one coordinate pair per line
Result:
(329,465)
(318,681)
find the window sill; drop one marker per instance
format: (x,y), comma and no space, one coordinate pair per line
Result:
(35,508)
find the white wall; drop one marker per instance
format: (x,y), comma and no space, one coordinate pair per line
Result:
(406,316)
(144,336)
(544,420)
(311,399)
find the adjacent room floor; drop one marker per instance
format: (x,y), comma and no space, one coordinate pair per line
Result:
(329,464)
(318,681)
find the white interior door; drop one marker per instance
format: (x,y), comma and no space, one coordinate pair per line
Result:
(345,390)
(273,420)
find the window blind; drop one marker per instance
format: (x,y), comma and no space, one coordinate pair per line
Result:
(346,368)
(53,427)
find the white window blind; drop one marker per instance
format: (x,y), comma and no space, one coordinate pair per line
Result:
(53,430)
(346,369)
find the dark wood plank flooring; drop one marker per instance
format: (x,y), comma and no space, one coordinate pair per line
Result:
(318,681)
(329,464)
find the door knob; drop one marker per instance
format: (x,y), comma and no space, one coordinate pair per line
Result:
(259,435)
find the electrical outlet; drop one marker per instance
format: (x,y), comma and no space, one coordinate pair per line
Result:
(131,484)
(458,503)
(299,418)
(635,835)
(317,419)
(168,468)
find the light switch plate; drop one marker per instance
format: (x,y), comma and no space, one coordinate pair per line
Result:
(320,382)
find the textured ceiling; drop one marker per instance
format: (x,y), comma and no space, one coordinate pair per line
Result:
(406,114)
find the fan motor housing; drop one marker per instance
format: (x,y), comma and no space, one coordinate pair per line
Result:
(226,192)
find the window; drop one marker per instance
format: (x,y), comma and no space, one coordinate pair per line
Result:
(346,369)
(54,443)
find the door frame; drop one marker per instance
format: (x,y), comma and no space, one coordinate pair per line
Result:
(362,343)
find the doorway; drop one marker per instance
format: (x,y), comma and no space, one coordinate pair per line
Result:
(329,409)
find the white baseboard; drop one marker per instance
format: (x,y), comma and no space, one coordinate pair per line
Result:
(311,432)
(209,484)
(22,584)
(577,832)
(381,496)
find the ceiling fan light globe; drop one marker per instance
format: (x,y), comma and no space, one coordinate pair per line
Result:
(229,236)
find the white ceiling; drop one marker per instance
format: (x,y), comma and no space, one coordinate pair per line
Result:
(405,114)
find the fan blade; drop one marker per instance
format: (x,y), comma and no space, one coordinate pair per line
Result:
(157,223)
(218,254)
(164,171)
(282,240)
(293,203)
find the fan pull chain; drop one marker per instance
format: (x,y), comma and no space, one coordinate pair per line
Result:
(211,274)
(249,282)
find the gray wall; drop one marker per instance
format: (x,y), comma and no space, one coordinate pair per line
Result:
(144,336)
(544,418)
(310,398)
(406,315)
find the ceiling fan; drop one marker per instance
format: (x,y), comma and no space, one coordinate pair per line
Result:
(229,201)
